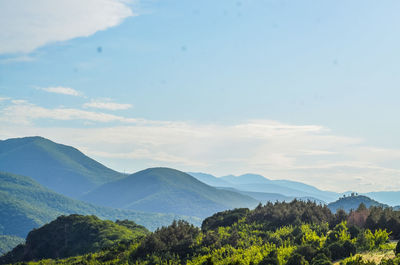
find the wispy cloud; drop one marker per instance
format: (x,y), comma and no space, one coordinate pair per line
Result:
(27,25)
(23,112)
(17,59)
(307,153)
(61,90)
(106,104)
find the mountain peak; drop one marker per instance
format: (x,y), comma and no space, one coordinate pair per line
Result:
(56,166)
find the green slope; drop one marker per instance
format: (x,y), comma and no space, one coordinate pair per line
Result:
(25,204)
(169,191)
(61,168)
(73,235)
(352,202)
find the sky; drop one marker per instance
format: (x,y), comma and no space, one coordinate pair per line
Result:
(300,90)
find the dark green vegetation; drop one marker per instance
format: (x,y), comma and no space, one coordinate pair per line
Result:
(260,184)
(282,233)
(74,235)
(61,168)
(7,243)
(352,202)
(167,190)
(25,204)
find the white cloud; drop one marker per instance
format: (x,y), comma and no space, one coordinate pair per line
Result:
(61,90)
(17,59)
(26,25)
(307,153)
(23,112)
(106,104)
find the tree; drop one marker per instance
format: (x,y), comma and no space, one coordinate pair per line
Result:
(398,248)
(297,259)
(270,259)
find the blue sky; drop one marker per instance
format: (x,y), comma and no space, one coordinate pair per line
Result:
(303,90)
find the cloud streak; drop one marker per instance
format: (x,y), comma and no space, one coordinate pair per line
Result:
(107,105)
(27,25)
(309,153)
(61,90)
(23,112)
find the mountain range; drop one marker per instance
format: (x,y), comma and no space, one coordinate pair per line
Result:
(260,184)
(41,179)
(167,190)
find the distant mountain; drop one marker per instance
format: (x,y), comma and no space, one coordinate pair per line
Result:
(210,179)
(391,198)
(61,168)
(352,202)
(245,179)
(264,197)
(258,183)
(73,235)
(25,204)
(167,190)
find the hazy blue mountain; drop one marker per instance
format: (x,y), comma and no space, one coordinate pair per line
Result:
(245,179)
(324,195)
(258,183)
(210,179)
(264,197)
(391,198)
(352,202)
(25,204)
(167,190)
(61,168)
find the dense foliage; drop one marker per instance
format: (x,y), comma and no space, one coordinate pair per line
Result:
(74,235)
(281,233)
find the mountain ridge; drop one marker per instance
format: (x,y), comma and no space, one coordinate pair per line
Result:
(162,189)
(59,167)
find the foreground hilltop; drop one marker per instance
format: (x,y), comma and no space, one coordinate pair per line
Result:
(74,235)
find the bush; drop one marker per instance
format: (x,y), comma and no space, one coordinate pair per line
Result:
(339,251)
(321,259)
(398,248)
(270,259)
(297,259)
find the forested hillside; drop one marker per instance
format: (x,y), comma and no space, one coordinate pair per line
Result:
(74,235)
(24,205)
(278,234)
